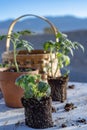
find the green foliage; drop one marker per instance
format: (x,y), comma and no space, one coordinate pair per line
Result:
(62,48)
(3,65)
(25,32)
(2,37)
(18,44)
(33,86)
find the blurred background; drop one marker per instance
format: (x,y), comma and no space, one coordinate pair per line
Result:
(69,17)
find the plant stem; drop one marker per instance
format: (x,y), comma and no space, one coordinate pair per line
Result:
(56,69)
(15,61)
(51,62)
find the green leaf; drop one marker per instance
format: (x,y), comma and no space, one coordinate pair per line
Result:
(43,86)
(77,45)
(24,44)
(30,90)
(66,60)
(70,50)
(19,45)
(20,81)
(33,86)
(25,32)
(2,37)
(58,35)
(49,45)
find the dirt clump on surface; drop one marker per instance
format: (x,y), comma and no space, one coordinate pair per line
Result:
(54,109)
(69,106)
(71,86)
(82,120)
(63,125)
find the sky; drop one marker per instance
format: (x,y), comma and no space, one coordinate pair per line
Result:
(16,8)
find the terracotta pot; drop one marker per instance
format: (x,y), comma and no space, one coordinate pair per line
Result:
(0,87)
(12,94)
(59,88)
(1,70)
(38,114)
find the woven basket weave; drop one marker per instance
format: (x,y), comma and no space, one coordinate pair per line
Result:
(36,58)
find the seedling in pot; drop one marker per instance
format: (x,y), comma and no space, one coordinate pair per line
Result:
(62,48)
(18,44)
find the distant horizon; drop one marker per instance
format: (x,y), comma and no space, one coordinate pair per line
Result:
(53,16)
(64,23)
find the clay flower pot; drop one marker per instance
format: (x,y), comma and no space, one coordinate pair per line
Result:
(12,94)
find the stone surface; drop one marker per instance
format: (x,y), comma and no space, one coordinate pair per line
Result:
(13,119)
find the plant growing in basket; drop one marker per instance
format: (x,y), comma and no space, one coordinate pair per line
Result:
(9,74)
(36,101)
(18,44)
(62,48)
(35,58)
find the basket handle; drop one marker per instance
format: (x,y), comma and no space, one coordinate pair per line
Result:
(17,19)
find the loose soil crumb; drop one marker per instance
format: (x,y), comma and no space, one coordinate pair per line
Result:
(69,106)
(71,86)
(63,125)
(53,109)
(82,121)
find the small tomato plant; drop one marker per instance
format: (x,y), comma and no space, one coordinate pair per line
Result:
(61,48)
(18,44)
(34,86)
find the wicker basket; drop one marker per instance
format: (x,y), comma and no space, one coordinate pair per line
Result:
(37,58)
